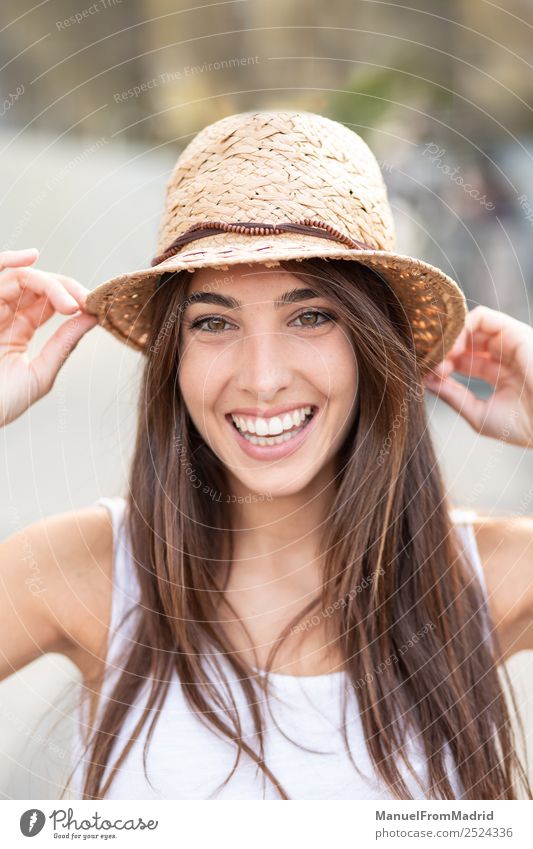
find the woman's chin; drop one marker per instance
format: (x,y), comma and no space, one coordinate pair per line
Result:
(267,487)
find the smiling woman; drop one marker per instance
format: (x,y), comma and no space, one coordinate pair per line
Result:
(349,573)
(285,603)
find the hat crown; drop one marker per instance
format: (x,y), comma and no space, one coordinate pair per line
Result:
(279,166)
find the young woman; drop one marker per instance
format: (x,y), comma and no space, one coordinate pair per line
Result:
(285,604)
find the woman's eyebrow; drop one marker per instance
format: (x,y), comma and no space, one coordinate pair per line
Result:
(293,296)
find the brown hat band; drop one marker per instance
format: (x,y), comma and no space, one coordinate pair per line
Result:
(313,228)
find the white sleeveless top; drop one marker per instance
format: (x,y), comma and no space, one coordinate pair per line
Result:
(188,761)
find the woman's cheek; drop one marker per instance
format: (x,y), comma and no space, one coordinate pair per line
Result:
(337,368)
(201,382)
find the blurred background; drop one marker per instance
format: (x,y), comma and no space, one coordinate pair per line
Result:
(96,102)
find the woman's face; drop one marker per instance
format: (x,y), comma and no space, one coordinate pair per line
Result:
(268,375)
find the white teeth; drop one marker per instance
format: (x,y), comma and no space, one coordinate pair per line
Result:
(271,427)
(275,426)
(277,440)
(261,427)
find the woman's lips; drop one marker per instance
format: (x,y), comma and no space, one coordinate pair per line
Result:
(273,452)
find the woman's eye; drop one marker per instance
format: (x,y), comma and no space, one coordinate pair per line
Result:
(309,317)
(213,318)
(314,314)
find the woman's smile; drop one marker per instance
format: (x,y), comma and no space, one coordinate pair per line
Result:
(273,437)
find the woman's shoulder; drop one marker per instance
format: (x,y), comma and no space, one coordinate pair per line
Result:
(75,552)
(499,537)
(504,547)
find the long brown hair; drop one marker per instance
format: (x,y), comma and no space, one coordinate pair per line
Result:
(389,531)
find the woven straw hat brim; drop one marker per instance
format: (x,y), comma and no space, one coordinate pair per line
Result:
(434,303)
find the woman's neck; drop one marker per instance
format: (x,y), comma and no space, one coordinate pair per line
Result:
(280,533)
(276,570)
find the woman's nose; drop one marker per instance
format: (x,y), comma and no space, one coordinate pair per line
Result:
(263,364)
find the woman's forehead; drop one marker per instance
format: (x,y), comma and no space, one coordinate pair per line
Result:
(245,279)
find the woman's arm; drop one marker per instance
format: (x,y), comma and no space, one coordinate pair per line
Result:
(498,349)
(55,589)
(28,298)
(51,591)
(505,547)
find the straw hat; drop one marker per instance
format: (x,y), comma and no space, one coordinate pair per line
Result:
(264,186)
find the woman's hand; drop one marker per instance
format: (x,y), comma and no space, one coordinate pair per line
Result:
(499,350)
(28,298)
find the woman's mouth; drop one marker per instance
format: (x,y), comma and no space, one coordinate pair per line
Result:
(273,437)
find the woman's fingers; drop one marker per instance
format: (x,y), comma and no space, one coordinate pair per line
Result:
(493,336)
(496,332)
(491,321)
(481,366)
(76,289)
(38,282)
(12,259)
(498,349)
(46,365)
(28,298)
(27,320)
(24,280)
(461,398)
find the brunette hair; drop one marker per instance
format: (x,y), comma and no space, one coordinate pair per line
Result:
(389,530)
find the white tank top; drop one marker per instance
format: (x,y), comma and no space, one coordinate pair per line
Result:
(188,761)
